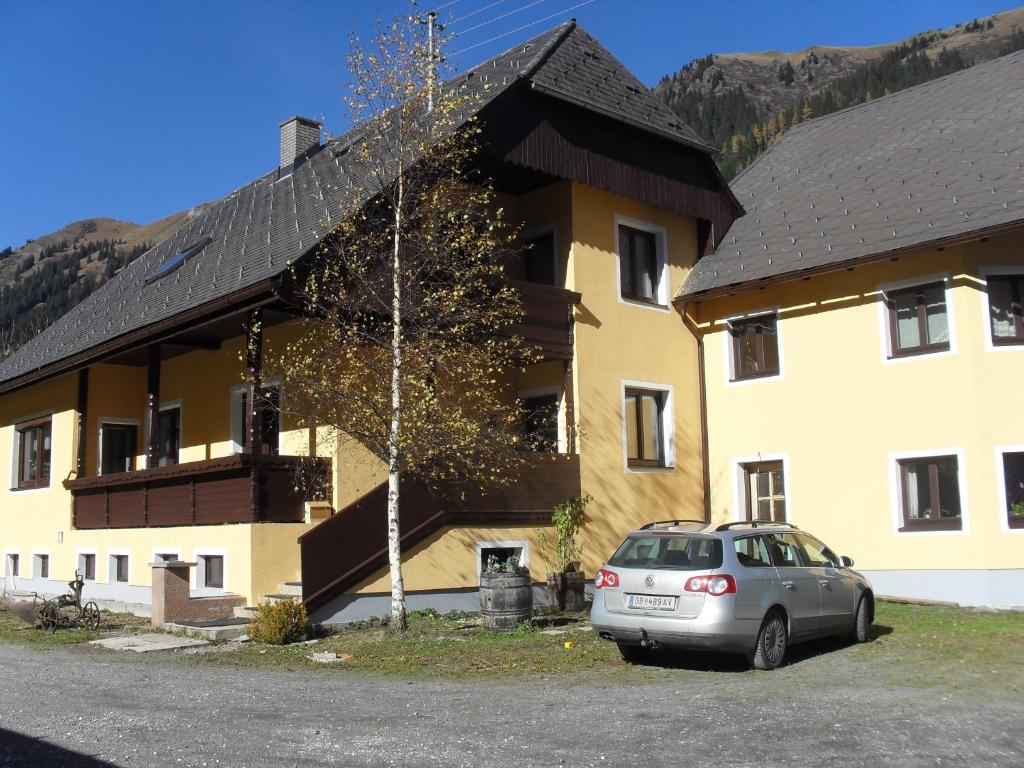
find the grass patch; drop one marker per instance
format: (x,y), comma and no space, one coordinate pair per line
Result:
(14,630)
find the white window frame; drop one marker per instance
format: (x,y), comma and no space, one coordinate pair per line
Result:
(896,490)
(49,556)
(730,363)
(8,553)
(883,317)
(1004,521)
(986,321)
(523,544)
(80,565)
(661,262)
(16,452)
(117,421)
(559,392)
(176,551)
(199,585)
(739,491)
(235,422)
(168,406)
(668,424)
(112,567)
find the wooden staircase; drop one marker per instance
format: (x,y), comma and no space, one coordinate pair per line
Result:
(352,545)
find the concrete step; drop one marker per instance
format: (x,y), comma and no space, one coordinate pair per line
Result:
(279,597)
(217,629)
(290,588)
(245,611)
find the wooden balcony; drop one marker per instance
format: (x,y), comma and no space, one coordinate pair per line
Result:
(548,323)
(243,488)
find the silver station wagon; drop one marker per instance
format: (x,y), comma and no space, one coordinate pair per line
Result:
(752,588)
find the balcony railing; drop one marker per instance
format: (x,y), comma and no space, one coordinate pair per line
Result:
(548,322)
(242,488)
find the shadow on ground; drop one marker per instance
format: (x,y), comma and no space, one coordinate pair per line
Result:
(16,749)
(706,661)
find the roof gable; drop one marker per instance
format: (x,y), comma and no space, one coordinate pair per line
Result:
(936,161)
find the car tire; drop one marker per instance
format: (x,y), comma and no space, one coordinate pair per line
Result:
(772,640)
(632,654)
(861,622)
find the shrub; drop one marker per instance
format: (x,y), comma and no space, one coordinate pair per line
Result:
(280,622)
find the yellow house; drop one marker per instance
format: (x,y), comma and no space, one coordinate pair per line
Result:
(126,424)
(863,342)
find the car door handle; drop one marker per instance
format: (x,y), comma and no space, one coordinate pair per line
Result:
(788,585)
(825,583)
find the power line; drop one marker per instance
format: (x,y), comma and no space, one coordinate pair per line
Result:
(520,29)
(503,16)
(465,16)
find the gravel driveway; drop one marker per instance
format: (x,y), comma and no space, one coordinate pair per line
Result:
(67,708)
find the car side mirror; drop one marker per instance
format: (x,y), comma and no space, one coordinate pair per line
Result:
(846,561)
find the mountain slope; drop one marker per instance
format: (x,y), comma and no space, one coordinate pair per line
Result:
(742,102)
(47,276)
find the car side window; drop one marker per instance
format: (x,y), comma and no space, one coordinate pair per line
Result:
(752,552)
(816,553)
(785,550)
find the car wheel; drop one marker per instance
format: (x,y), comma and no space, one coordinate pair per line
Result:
(771,642)
(861,624)
(632,654)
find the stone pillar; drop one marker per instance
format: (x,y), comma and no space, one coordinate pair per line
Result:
(170,591)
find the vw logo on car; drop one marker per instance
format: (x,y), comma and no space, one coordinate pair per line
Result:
(649,581)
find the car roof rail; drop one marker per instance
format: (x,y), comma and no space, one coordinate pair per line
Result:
(671,523)
(755,524)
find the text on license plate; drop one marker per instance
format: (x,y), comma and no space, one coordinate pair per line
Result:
(657,602)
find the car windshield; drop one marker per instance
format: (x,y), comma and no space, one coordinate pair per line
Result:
(668,552)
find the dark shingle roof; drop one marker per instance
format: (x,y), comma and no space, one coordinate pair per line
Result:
(936,161)
(260,228)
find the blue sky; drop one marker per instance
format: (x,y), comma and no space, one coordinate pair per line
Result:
(135,110)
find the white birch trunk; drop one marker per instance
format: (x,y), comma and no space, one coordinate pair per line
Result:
(398,618)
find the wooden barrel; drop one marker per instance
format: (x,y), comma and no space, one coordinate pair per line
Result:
(506,600)
(566,590)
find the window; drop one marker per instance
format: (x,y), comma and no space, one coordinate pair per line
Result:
(540,422)
(1013,477)
(33,446)
(638,265)
(930,494)
(213,571)
(501,554)
(167,557)
(785,550)
(1006,308)
(41,566)
(169,436)
(645,439)
(918,320)
(539,259)
(13,565)
(816,554)
(660,551)
(177,260)
(755,347)
(117,448)
(271,419)
(765,483)
(87,566)
(119,567)
(752,552)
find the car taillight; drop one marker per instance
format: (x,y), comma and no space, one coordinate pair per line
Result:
(606,578)
(723,584)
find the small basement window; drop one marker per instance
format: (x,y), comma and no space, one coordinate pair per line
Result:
(41,567)
(13,565)
(87,567)
(212,571)
(119,568)
(503,551)
(177,260)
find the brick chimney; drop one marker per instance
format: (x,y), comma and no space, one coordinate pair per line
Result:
(297,135)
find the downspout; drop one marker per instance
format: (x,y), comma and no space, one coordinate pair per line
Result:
(702,390)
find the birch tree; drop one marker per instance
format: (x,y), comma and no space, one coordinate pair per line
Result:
(407,342)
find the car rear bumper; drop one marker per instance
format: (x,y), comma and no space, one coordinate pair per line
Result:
(713,630)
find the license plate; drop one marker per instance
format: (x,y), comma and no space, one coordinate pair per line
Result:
(656,602)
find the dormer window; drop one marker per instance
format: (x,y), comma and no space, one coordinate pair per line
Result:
(177,260)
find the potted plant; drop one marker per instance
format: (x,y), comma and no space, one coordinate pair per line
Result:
(506,597)
(563,556)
